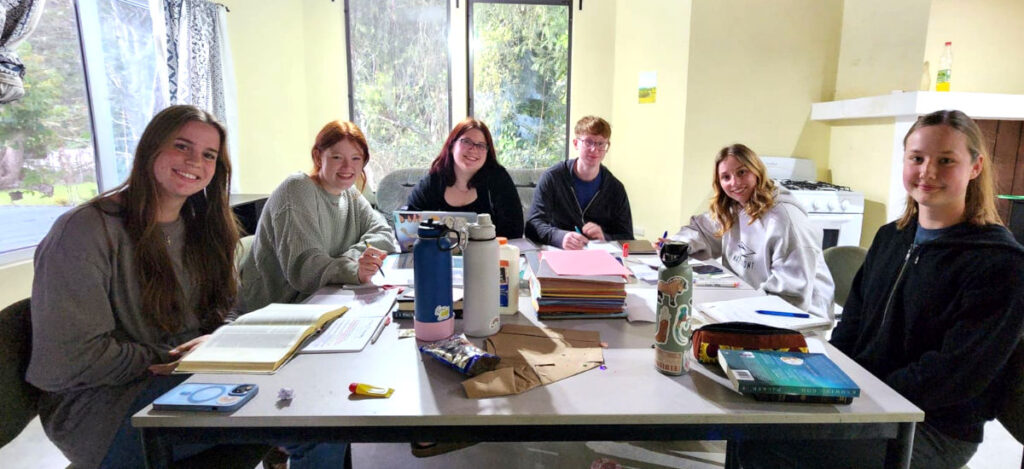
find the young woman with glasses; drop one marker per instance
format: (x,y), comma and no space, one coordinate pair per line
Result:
(466,177)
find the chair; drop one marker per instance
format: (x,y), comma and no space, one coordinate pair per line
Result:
(1010,412)
(19,398)
(844,262)
(244,246)
(526,183)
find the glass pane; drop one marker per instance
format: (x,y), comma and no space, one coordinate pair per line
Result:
(520,78)
(133,94)
(46,151)
(399,60)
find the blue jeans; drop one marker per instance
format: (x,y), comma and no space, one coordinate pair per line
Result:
(932,449)
(126,449)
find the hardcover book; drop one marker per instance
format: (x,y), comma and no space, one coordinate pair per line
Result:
(786,376)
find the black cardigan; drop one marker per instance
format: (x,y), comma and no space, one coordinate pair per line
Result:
(496,195)
(938,321)
(555,210)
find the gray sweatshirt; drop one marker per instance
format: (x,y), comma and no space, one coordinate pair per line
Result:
(91,341)
(779,253)
(308,238)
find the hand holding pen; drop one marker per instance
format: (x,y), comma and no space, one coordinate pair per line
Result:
(370,262)
(662,240)
(574,240)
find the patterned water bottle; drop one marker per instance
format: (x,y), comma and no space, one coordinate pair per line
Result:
(675,304)
(432,276)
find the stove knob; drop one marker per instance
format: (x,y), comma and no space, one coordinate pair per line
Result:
(831,205)
(845,205)
(817,204)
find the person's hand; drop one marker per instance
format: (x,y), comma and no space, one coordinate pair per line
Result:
(574,241)
(593,231)
(369,263)
(178,352)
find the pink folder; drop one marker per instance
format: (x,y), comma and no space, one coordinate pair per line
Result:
(585,262)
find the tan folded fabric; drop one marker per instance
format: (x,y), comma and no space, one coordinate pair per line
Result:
(532,356)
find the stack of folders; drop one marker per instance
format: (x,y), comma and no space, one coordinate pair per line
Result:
(561,289)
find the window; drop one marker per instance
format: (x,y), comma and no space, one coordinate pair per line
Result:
(519,78)
(398,79)
(46,159)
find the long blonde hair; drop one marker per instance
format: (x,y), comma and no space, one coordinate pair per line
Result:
(980,201)
(723,208)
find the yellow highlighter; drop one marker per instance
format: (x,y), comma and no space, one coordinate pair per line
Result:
(370,390)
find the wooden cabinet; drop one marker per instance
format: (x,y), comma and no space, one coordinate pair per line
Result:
(1006,147)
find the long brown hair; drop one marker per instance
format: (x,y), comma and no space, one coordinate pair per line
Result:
(980,200)
(723,208)
(211,230)
(332,133)
(444,163)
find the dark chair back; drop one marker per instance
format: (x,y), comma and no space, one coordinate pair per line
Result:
(18,397)
(844,262)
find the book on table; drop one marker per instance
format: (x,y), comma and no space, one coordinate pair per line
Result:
(558,296)
(787,376)
(407,304)
(259,341)
(746,310)
(367,311)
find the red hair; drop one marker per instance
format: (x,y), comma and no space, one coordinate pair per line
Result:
(331,134)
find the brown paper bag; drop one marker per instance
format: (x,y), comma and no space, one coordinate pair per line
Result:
(532,356)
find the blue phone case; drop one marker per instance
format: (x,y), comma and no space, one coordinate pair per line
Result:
(209,397)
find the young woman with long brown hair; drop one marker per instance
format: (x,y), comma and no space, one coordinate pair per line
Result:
(128,283)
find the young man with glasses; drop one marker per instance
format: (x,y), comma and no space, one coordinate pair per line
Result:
(580,200)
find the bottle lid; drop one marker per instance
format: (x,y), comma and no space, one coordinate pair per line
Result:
(483,229)
(502,240)
(674,253)
(949,43)
(430,228)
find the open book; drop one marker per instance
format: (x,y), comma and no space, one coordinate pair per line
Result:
(259,341)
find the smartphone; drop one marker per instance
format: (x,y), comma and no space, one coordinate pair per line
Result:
(209,397)
(706,269)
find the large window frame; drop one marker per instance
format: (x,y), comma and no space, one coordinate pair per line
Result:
(470,55)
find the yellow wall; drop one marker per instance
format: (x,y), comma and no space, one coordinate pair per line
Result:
(881,50)
(593,65)
(987,38)
(646,154)
(755,68)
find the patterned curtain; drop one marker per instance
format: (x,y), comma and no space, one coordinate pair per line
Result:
(18,18)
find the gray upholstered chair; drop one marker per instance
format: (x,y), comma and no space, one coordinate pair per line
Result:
(526,183)
(394,189)
(19,398)
(844,262)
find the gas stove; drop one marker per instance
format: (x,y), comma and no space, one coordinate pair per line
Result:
(837,210)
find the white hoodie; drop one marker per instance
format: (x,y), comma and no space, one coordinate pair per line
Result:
(779,253)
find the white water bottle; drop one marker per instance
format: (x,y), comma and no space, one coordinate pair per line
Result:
(480,277)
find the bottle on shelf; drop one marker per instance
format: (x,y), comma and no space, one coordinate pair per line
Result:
(945,68)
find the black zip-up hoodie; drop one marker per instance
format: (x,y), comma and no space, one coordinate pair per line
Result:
(555,210)
(937,321)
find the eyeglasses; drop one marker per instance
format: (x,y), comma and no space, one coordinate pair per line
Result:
(470,143)
(593,145)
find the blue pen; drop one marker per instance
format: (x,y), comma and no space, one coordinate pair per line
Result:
(578,229)
(663,236)
(782,313)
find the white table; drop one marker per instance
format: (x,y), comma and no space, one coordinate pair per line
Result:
(628,401)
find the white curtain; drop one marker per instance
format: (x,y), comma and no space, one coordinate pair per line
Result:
(198,62)
(17,18)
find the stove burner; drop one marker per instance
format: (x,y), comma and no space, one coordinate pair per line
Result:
(811,186)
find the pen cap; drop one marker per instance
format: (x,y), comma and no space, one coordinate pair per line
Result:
(674,253)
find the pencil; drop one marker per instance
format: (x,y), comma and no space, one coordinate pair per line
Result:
(367,244)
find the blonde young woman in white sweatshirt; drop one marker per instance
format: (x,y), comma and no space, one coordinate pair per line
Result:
(761,233)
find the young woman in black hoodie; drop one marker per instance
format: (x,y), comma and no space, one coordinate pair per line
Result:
(937,308)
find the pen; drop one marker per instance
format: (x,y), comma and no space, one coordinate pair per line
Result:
(380,328)
(716,283)
(381,269)
(782,313)
(663,236)
(578,229)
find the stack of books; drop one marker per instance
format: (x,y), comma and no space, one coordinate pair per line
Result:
(561,289)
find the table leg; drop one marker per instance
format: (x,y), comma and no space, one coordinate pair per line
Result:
(898,452)
(732,454)
(157,451)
